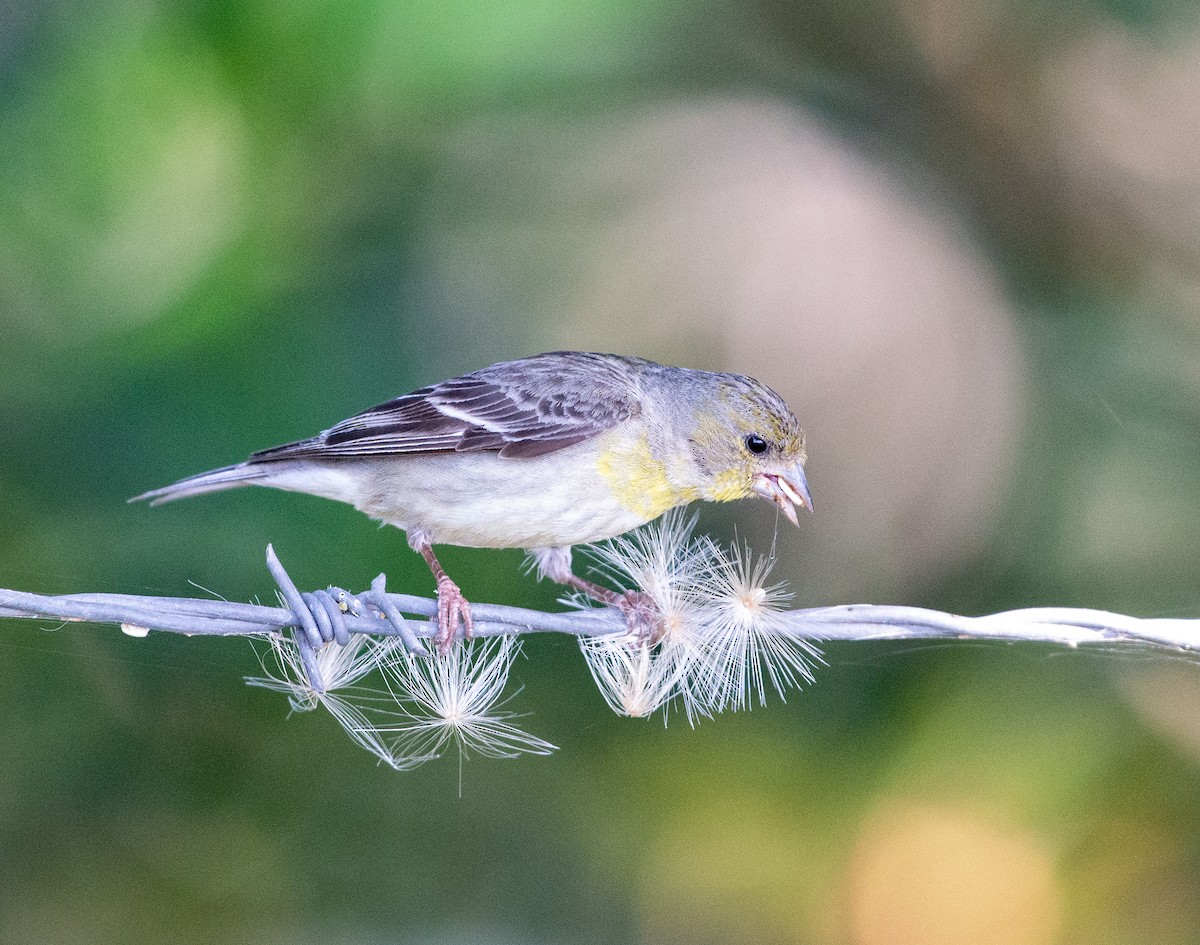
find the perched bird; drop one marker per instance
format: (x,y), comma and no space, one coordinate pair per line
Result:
(541,453)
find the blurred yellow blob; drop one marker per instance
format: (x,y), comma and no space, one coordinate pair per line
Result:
(925,875)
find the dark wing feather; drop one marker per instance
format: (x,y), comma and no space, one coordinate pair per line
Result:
(518,408)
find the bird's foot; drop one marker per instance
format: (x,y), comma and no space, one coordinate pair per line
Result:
(452,610)
(642,616)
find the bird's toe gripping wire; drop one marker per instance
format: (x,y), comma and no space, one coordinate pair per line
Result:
(644,619)
(643,616)
(453,609)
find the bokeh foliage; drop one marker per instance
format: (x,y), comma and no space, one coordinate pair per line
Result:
(215,227)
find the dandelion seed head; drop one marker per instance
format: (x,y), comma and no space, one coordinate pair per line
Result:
(633,679)
(665,561)
(457,699)
(748,648)
(720,638)
(740,588)
(748,605)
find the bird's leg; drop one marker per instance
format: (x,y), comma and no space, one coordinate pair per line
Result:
(642,615)
(452,606)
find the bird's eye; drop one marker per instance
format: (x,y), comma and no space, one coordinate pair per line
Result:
(756,444)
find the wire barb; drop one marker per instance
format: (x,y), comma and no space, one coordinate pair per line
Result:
(378,596)
(294,599)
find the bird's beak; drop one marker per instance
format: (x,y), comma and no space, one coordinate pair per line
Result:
(786,490)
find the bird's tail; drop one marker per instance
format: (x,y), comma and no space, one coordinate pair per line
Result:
(216,480)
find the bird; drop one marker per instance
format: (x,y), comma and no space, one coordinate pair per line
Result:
(541,453)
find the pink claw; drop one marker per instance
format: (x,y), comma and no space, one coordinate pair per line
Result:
(453,609)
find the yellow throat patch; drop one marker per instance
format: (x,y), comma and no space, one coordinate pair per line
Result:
(728,486)
(638,479)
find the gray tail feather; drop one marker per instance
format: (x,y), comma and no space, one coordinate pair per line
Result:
(215,480)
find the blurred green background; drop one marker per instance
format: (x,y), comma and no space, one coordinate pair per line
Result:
(960,236)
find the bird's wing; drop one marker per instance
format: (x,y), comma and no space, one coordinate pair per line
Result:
(517,408)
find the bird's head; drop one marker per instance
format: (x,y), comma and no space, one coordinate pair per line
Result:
(747,442)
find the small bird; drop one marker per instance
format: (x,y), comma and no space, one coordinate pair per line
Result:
(541,453)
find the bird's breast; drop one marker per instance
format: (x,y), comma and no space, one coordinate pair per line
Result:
(639,480)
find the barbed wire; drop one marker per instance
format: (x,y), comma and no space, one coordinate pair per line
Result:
(335,614)
(723,642)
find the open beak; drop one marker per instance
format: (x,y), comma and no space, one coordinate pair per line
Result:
(787,490)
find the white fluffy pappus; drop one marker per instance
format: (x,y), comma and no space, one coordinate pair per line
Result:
(456,699)
(633,680)
(747,643)
(342,669)
(723,643)
(667,562)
